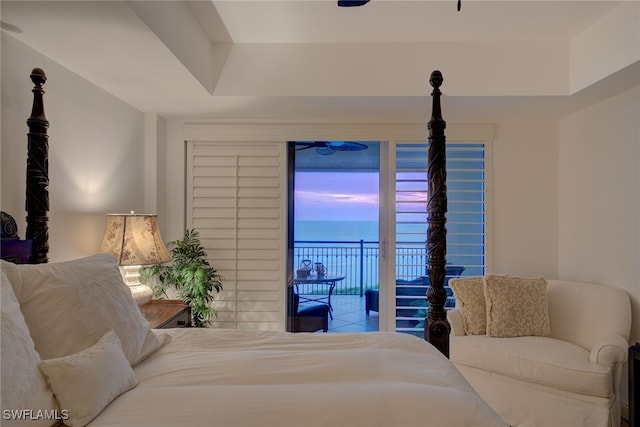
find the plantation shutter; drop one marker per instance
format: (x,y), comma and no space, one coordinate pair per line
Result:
(235,200)
(466,225)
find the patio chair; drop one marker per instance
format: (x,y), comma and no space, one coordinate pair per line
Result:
(411,292)
(308,317)
(371,300)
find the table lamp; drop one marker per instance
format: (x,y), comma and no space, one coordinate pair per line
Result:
(134,240)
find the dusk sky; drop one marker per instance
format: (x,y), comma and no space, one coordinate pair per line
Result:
(336,196)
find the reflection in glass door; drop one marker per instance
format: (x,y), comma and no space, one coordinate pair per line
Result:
(466,219)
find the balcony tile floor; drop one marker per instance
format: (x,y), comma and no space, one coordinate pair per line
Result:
(349,315)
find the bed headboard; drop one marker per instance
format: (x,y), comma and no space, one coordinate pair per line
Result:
(437,328)
(37,192)
(12,248)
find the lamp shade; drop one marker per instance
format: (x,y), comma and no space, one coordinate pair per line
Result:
(134,239)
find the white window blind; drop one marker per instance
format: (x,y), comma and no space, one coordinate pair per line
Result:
(466,225)
(235,201)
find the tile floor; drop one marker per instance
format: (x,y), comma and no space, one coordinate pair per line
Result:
(349,316)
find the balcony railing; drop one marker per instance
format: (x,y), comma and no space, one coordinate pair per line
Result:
(358,262)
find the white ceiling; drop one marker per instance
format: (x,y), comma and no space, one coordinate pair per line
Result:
(171,57)
(405,21)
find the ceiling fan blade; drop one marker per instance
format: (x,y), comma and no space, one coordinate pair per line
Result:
(325,151)
(305,145)
(329,147)
(352,3)
(346,146)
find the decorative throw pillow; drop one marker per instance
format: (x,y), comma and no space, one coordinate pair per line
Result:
(24,388)
(86,382)
(469,293)
(69,305)
(516,306)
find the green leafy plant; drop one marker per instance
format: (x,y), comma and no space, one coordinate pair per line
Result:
(190,274)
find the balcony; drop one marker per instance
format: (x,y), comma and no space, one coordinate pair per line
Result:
(358,262)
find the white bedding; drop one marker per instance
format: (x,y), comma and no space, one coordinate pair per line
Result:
(208,377)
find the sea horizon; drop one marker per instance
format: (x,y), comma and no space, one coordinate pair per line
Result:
(336,230)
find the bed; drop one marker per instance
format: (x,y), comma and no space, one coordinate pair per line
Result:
(77,350)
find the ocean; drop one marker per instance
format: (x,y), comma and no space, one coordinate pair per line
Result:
(336,230)
(343,259)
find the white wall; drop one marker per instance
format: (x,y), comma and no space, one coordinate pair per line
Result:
(174,205)
(96,151)
(599,207)
(599,184)
(525,199)
(609,45)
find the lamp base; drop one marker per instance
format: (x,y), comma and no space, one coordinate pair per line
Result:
(141,293)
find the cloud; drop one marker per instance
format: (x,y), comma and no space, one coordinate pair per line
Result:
(336,196)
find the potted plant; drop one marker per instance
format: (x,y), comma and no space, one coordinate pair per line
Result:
(190,274)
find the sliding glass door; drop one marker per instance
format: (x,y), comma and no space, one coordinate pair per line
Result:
(364,218)
(466,220)
(335,222)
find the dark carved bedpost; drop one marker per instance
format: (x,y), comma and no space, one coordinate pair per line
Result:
(37,200)
(437,328)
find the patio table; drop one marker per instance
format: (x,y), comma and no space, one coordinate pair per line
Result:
(318,280)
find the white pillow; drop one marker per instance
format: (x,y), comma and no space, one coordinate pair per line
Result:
(86,382)
(24,387)
(69,305)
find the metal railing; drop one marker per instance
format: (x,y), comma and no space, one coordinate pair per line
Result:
(358,262)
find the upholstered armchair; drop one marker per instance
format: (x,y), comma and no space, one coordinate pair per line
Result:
(542,352)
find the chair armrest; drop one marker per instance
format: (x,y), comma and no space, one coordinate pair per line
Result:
(455,320)
(609,350)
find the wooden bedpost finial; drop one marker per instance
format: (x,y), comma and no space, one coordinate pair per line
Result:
(38,77)
(436,79)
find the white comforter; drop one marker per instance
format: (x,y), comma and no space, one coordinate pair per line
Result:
(225,378)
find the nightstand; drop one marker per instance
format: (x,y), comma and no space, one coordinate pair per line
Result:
(167,313)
